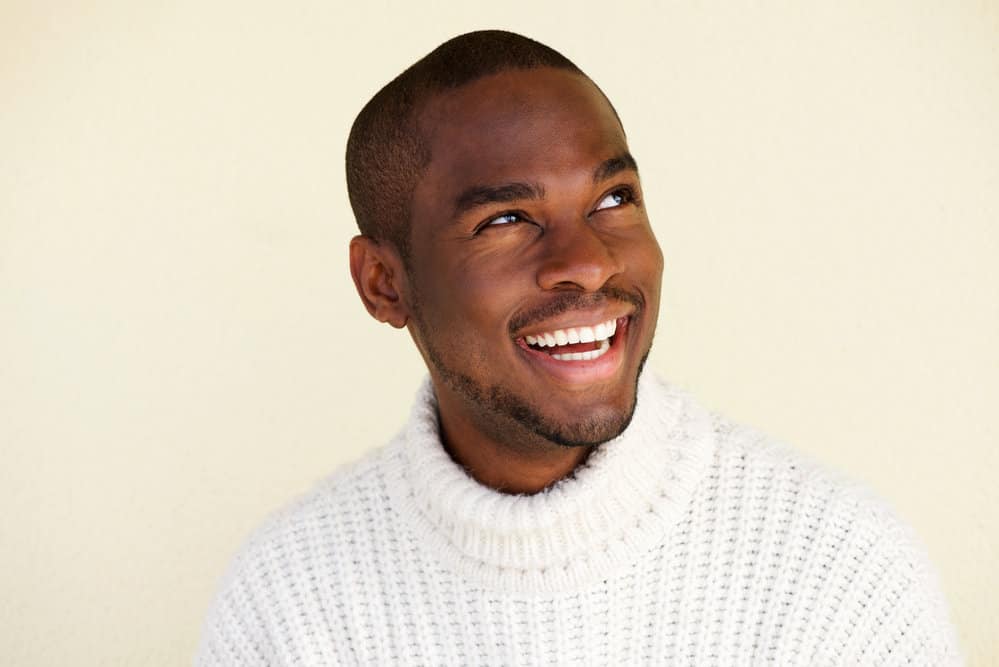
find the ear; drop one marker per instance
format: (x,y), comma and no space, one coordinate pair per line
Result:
(379,277)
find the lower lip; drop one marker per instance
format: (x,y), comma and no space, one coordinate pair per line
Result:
(591,370)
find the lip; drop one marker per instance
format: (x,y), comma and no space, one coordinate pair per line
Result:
(582,372)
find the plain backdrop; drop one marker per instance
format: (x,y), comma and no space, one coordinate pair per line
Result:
(182,351)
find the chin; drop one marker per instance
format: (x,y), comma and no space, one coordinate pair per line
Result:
(544,416)
(602,424)
(580,424)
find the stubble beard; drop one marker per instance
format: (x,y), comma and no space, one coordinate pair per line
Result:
(502,408)
(511,418)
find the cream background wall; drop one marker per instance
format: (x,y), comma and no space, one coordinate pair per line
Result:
(181,350)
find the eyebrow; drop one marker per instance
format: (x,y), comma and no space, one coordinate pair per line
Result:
(614,166)
(482,195)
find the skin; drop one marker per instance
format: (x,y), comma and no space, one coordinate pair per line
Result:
(569,245)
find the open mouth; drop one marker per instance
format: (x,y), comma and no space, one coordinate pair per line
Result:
(583,343)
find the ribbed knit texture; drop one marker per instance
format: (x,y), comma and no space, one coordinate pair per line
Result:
(688,540)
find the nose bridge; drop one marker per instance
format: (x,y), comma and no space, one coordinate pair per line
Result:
(575,255)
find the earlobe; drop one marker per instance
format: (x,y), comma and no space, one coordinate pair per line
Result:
(378,274)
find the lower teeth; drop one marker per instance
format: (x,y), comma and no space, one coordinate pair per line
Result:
(585,356)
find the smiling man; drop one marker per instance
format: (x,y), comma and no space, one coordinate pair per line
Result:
(530,277)
(547,502)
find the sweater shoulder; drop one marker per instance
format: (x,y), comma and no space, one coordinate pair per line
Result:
(322,517)
(772,463)
(279,559)
(864,565)
(339,494)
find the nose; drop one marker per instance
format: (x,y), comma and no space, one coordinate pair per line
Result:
(576,257)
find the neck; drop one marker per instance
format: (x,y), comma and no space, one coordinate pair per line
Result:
(621,503)
(519,463)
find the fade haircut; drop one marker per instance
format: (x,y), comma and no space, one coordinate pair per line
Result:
(385,151)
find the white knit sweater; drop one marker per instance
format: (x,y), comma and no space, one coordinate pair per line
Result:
(688,540)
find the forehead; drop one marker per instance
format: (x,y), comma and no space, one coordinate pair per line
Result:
(517,124)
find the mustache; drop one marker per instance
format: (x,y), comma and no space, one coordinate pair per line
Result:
(567,301)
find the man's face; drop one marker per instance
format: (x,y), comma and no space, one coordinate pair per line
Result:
(530,245)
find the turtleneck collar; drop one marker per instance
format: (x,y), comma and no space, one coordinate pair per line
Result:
(613,508)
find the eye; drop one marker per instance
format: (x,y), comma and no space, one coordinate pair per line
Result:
(619,197)
(499,220)
(504,219)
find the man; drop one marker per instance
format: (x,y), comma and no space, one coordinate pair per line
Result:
(547,502)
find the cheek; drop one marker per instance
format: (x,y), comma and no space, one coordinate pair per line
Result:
(658,261)
(470,297)
(642,255)
(498,266)
(652,252)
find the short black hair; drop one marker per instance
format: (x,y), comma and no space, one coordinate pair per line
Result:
(385,151)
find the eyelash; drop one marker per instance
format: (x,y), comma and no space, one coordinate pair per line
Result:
(627,197)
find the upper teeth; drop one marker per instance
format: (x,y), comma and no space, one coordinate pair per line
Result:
(602,331)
